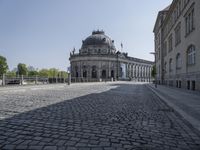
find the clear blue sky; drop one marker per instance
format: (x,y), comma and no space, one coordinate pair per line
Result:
(41,33)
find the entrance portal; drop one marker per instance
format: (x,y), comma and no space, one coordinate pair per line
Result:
(103,74)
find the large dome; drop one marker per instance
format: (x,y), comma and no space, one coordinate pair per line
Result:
(98,39)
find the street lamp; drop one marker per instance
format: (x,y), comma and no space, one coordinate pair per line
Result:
(154,53)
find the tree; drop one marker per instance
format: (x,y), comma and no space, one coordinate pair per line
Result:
(31,68)
(153,71)
(11,74)
(3,65)
(43,73)
(32,71)
(22,69)
(62,74)
(53,72)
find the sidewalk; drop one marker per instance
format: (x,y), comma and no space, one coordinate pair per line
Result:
(186,103)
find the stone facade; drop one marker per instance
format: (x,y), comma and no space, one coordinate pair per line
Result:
(99,60)
(177,44)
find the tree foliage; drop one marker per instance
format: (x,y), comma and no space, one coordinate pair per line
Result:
(3,65)
(53,72)
(11,74)
(43,73)
(22,69)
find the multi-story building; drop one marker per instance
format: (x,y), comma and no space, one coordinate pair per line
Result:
(99,59)
(177,44)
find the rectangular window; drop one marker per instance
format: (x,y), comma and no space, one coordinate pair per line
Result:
(188,85)
(178,34)
(193,85)
(165,49)
(191,55)
(170,42)
(189,21)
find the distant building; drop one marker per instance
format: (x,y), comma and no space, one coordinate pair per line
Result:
(177,44)
(99,60)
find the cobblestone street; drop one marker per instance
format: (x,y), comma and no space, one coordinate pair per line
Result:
(107,116)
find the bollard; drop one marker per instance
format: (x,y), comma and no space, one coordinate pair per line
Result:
(4,80)
(22,79)
(69,79)
(112,79)
(36,78)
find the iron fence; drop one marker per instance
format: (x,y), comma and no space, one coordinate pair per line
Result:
(23,80)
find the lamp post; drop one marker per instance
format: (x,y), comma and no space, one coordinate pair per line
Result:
(154,53)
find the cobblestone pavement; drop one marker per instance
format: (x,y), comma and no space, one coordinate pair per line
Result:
(100,116)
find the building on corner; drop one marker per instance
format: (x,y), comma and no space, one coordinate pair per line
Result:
(177,44)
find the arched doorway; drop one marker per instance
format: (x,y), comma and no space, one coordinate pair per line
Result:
(84,74)
(76,71)
(112,73)
(103,74)
(94,72)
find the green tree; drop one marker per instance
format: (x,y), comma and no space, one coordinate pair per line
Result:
(153,71)
(32,73)
(43,73)
(62,74)
(11,74)
(3,65)
(53,72)
(22,69)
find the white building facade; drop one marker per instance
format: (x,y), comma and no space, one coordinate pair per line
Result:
(177,45)
(99,60)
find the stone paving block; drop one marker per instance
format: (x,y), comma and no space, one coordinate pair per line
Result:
(8,147)
(116,117)
(35,147)
(50,148)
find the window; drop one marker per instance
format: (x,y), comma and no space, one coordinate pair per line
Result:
(180,9)
(170,65)
(178,61)
(84,71)
(94,72)
(165,67)
(185,2)
(193,85)
(191,55)
(76,70)
(189,21)
(178,34)
(165,49)
(188,84)
(170,43)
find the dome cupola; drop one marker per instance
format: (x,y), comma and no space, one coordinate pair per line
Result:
(99,43)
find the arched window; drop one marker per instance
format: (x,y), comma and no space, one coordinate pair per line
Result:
(178,61)
(191,55)
(94,72)
(84,72)
(76,70)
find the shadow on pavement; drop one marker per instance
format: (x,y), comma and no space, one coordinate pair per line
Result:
(126,117)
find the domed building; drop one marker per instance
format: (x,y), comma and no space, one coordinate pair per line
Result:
(98,60)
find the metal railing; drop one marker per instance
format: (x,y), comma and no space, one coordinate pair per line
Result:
(28,80)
